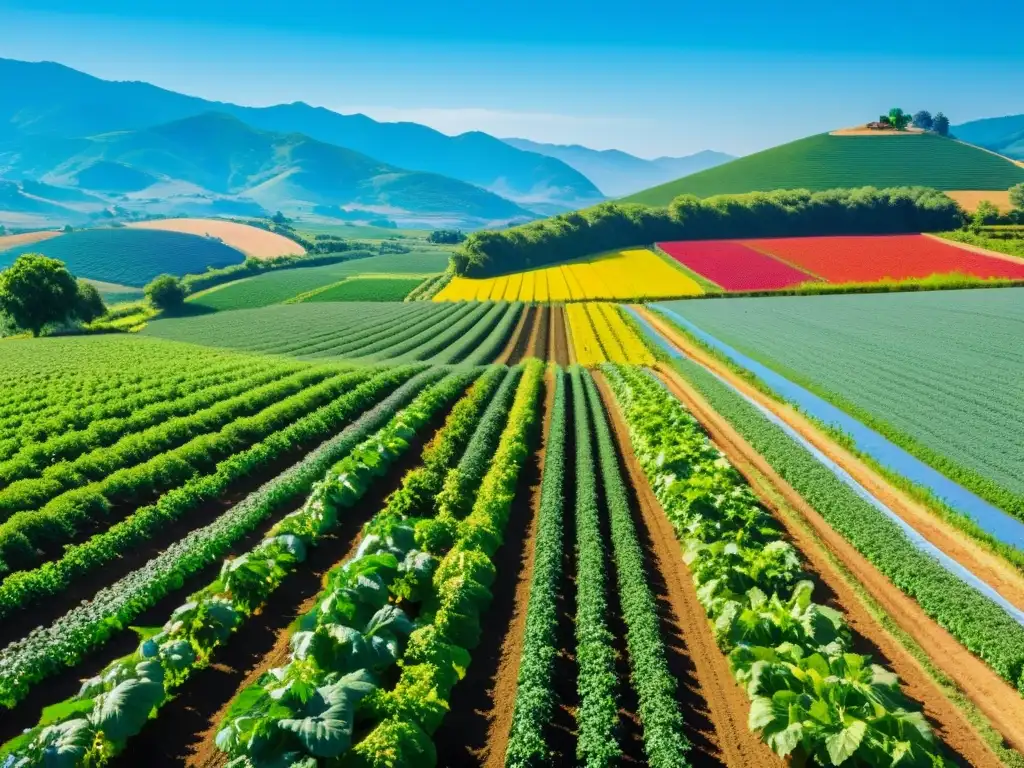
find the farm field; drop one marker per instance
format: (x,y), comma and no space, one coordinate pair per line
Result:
(625,275)
(252,241)
(600,335)
(13,241)
(129,256)
(829,162)
(868,259)
(368,289)
(734,266)
(368,331)
(275,287)
(385,555)
(939,373)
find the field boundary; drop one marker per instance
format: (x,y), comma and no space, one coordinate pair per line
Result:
(975,248)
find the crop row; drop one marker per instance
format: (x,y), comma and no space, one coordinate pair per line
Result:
(665,744)
(535,694)
(35,457)
(491,346)
(114,706)
(585,344)
(598,716)
(812,698)
(978,623)
(364,328)
(44,651)
(28,536)
(349,644)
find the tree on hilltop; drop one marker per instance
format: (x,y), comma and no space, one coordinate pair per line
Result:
(166,292)
(36,291)
(1017,197)
(898,119)
(940,124)
(923,120)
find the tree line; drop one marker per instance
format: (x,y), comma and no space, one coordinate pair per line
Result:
(782,213)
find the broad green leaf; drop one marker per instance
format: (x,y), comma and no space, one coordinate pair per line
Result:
(122,712)
(843,744)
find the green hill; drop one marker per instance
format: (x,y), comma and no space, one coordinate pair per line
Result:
(827,162)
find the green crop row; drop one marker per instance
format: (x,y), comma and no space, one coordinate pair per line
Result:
(28,536)
(535,695)
(665,744)
(131,450)
(429,343)
(437,652)
(352,639)
(43,652)
(34,458)
(114,706)
(490,347)
(456,496)
(475,341)
(812,698)
(979,624)
(336,340)
(598,716)
(406,338)
(369,289)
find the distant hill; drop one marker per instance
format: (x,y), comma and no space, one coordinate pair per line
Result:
(1004,135)
(54,101)
(825,162)
(218,154)
(618,173)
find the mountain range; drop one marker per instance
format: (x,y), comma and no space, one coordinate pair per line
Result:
(62,126)
(618,173)
(1004,135)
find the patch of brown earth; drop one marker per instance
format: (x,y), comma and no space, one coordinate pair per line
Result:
(475,730)
(541,332)
(994,697)
(715,708)
(991,568)
(519,342)
(558,346)
(13,241)
(252,241)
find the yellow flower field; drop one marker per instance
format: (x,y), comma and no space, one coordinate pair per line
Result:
(600,335)
(621,275)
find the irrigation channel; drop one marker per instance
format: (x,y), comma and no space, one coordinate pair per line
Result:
(773,380)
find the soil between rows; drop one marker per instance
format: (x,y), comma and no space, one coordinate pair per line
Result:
(475,730)
(184,731)
(519,342)
(558,348)
(949,723)
(541,332)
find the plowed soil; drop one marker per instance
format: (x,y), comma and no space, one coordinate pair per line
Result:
(13,241)
(252,241)
(995,571)
(715,708)
(518,345)
(475,730)
(184,732)
(541,332)
(560,351)
(999,702)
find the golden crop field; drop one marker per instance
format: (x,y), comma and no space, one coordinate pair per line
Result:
(600,335)
(621,275)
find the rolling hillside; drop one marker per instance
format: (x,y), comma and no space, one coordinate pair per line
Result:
(618,173)
(56,104)
(825,162)
(219,154)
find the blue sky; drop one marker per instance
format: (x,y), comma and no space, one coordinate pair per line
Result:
(651,78)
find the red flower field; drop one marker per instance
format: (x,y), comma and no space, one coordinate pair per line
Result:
(867,259)
(733,266)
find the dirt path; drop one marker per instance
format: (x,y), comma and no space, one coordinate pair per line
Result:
(475,730)
(518,342)
(558,348)
(541,331)
(989,567)
(714,707)
(184,732)
(993,696)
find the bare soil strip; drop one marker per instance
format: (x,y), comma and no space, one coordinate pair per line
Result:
(541,331)
(994,697)
(991,568)
(519,342)
(475,731)
(13,241)
(714,708)
(558,349)
(184,731)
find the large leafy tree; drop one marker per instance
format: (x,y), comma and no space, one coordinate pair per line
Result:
(166,292)
(89,305)
(923,120)
(1017,197)
(36,291)
(898,119)
(940,124)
